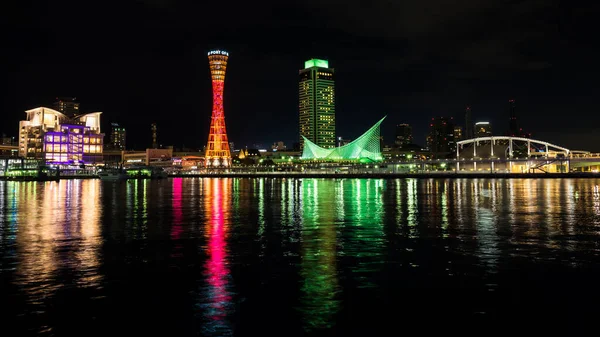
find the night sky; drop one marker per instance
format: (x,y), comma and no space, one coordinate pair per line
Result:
(145,61)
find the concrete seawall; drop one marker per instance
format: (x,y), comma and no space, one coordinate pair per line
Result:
(442,175)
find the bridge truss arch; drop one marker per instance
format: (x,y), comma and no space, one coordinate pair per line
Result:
(506,147)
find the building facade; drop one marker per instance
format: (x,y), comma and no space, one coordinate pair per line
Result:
(66,105)
(316,105)
(404,135)
(458,133)
(441,135)
(118,137)
(483,129)
(51,136)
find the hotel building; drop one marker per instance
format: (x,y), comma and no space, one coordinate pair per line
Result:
(54,137)
(317,104)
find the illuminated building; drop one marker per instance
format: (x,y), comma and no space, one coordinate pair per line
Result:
(441,135)
(51,136)
(483,129)
(365,148)
(403,135)
(217,150)
(66,105)
(468,123)
(117,137)
(316,105)
(458,133)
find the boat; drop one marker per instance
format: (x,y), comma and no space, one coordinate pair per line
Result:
(112,175)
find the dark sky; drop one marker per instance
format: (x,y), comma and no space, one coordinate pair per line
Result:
(145,61)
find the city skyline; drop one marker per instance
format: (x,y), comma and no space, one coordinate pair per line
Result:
(160,76)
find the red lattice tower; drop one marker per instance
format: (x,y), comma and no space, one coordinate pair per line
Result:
(217,151)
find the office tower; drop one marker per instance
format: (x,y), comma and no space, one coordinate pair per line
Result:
(468,123)
(317,104)
(403,135)
(441,135)
(483,129)
(513,127)
(117,137)
(66,105)
(51,136)
(154,136)
(458,133)
(217,150)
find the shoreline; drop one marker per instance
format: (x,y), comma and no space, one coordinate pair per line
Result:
(448,175)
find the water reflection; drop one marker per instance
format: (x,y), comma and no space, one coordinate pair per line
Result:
(335,248)
(218,294)
(58,237)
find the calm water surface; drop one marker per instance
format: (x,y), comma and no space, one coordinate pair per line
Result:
(289,257)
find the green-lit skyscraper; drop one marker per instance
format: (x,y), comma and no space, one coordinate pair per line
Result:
(316,104)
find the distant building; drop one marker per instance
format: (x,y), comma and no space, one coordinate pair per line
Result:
(468,123)
(231,147)
(458,133)
(403,135)
(341,141)
(6,140)
(279,146)
(441,135)
(54,137)
(316,104)
(513,126)
(118,137)
(483,129)
(67,106)
(154,136)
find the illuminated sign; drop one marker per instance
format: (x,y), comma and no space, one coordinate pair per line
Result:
(316,63)
(218,52)
(134,160)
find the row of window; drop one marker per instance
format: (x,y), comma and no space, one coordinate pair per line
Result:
(63,148)
(74,138)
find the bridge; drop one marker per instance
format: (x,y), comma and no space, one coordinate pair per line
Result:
(521,155)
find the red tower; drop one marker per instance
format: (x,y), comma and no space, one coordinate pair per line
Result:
(217,151)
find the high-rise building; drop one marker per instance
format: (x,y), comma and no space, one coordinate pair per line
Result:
(483,129)
(217,150)
(154,130)
(458,133)
(403,135)
(117,137)
(317,103)
(52,136)
(66,105)
(441,135)
(468,123)
(513,127)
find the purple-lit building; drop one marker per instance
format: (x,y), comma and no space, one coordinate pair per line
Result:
(51,136)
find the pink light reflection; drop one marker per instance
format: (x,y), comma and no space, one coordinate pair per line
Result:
(177,211)
(216,265)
